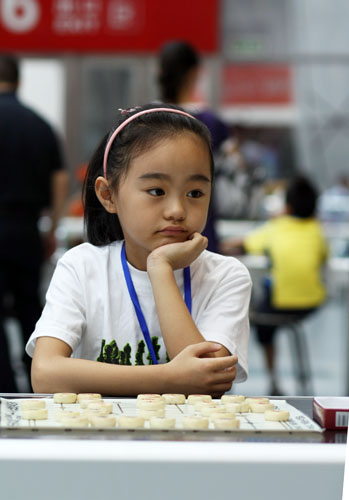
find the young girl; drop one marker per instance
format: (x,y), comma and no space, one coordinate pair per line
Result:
(115,311)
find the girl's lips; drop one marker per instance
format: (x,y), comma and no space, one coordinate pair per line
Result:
(172,230)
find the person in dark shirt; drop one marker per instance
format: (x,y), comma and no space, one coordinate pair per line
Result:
(179,66)
(32,178)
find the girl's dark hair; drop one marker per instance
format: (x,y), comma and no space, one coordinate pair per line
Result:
(176,59)
(301,197)
(137,137)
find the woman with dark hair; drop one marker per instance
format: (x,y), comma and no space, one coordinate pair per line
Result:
(179,67)
(144,290)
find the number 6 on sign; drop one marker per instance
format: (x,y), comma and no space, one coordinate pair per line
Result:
(20,15)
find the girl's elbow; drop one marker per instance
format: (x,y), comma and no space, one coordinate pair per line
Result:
(41,377)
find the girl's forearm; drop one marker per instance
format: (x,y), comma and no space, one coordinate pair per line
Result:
(53,370)
(61,374)
(177,326)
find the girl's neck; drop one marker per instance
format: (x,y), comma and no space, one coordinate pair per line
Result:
(137,261)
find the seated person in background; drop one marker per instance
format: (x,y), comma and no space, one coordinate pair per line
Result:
(295,244)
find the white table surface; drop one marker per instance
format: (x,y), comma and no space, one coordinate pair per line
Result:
(74,469)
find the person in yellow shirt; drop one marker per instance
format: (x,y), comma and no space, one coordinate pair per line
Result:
(297,250)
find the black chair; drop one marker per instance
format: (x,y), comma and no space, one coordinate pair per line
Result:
(292,323)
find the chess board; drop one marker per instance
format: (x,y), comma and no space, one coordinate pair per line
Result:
(10,417)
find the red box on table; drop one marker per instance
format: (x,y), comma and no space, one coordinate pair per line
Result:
(331,412)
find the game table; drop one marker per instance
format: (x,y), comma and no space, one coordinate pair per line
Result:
(123,464)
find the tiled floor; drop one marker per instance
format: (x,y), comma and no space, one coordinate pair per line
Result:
(327,336)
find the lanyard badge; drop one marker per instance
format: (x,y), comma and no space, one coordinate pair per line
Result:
(139,313)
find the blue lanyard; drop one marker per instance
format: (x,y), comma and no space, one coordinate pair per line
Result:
(136,304)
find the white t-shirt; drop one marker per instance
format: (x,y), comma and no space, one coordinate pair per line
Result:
(89,308)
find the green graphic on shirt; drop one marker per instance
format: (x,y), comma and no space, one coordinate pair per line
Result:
(156,347)
(100,357)
(139,354)
(127,351)
(110,353)
(122,358)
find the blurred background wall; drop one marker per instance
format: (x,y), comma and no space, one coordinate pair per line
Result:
(278,69)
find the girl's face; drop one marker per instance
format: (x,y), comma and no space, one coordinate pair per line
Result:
(165,195)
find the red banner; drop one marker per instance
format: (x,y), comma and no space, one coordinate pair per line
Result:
(260,84)
(106,25)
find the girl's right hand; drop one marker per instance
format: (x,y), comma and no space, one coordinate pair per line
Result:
(177,255)
(190,372)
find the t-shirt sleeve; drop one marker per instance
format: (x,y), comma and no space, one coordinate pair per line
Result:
(64,315)
(257,241)
(225,318)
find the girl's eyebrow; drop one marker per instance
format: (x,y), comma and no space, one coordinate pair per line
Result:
(158,175)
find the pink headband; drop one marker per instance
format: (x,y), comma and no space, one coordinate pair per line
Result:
(123,124)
